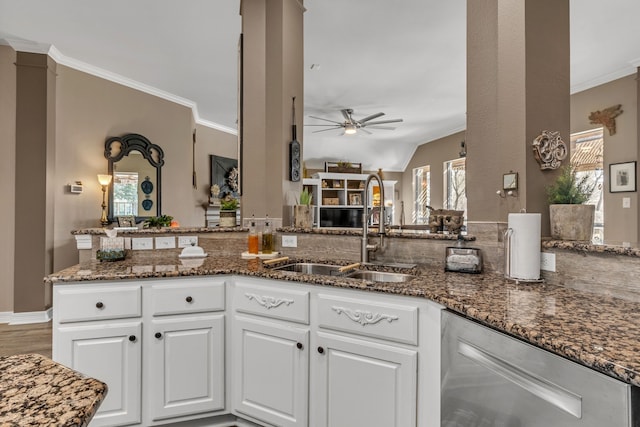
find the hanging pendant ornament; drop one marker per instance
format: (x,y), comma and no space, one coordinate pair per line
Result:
(294,149)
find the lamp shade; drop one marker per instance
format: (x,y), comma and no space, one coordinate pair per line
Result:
(104,179)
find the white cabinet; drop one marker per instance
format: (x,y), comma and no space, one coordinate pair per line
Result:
(270,371)
(363,384)
(98,331)
(184,366)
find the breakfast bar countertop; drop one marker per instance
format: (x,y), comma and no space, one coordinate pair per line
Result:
(598,331)
(36,391)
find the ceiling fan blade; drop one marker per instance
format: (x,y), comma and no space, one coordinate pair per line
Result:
(365,131)
(371,117)
(346,113)
(324,130)
(381,127)
(326,120)
(381,122)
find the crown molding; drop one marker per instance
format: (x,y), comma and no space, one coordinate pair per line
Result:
(606,78)
(21,45)
(57,56)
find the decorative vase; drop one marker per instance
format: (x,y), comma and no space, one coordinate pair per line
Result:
(303,216)
(571,222)
(227,218)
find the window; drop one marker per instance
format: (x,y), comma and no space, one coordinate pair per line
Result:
(421,195)
(455,195)
(125,193)
(587,150)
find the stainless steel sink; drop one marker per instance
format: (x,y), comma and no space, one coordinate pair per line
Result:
(310,268)
(379,276)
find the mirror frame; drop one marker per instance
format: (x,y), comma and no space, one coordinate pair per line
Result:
(128,143)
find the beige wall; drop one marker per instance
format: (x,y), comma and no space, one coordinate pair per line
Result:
(619,224)
(7,174)
(434,154)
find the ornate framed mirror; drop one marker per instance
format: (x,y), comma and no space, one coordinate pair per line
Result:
(136,187)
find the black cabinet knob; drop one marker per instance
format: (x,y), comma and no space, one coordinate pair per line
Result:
(132,338)
(300,346)
(320,350)
(99,304)
(158,335)
(189,299)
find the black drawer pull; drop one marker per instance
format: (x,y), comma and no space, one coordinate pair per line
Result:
(300,346)
(99,304)
(320,350)
(158,335)
(132,338)
(189,299)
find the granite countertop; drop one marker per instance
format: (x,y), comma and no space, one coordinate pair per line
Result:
(36,391)
(598,331)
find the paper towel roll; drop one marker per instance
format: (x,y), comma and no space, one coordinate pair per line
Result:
(525,245)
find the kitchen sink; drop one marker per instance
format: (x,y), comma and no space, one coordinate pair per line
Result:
(311,268)
(379,276)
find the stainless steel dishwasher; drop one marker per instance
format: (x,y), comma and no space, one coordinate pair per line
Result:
(490,379)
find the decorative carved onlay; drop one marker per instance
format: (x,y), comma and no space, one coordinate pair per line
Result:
(267,301)
(364,317)
(549,149)
(606,117)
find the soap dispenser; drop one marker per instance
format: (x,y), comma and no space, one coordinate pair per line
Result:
(253,236)
(267,237)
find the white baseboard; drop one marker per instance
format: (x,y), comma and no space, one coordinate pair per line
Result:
(29,317)
(5,316)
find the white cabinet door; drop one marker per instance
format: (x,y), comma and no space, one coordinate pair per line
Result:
(112,354)
(184,374)
(362,384)
(271,371)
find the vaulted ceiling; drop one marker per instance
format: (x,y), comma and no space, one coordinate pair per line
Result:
(405,58)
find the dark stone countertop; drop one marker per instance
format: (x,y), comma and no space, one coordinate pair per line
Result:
(36,391)
(597,331)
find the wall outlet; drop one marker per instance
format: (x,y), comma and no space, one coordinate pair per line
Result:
(626,202)
(184,241)
(140,243)
(289,241)
(547,261)
(165,242)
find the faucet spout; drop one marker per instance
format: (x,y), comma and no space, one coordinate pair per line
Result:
(365,247)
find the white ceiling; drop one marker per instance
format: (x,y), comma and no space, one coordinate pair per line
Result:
(405,58)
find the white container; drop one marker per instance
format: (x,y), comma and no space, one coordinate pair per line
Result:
(522,246)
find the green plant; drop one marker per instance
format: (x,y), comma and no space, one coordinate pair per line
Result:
(306,197)
(569,189)
(158,221)
(229,203)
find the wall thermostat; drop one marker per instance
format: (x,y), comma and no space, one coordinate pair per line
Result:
(76,188)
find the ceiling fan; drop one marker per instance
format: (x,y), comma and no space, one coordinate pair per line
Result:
(352,126)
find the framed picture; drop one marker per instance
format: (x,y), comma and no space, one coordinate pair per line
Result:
(126,221)
(224,174)
(622,177)
(355,199)
(510,181)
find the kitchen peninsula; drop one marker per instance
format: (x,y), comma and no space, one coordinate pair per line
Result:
(598,331)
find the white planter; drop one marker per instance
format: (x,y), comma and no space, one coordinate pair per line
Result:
(227,218)
(571,222)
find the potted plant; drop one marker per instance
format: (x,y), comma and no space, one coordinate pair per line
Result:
(228,207)
(158,221)
(303,212)
(569,217)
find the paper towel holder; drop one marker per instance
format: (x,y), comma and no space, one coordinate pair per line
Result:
(508,233)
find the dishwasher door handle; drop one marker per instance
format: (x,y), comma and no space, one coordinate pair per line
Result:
(546,390)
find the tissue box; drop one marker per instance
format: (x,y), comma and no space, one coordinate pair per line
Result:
(463,260)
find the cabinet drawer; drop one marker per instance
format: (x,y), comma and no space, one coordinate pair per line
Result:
(195,296)
(75,304)
(388,321)
(272,301)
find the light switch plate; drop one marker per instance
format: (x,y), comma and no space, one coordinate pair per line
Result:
(547,261)
(184,241)
(165,242)
(140,243)
(626,202)
(289,241)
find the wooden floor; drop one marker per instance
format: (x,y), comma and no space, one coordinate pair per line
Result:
(31,338)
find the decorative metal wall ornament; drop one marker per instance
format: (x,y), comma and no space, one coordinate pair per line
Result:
(549,149)
(607,118)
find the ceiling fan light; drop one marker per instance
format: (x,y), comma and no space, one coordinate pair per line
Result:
(350,129)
